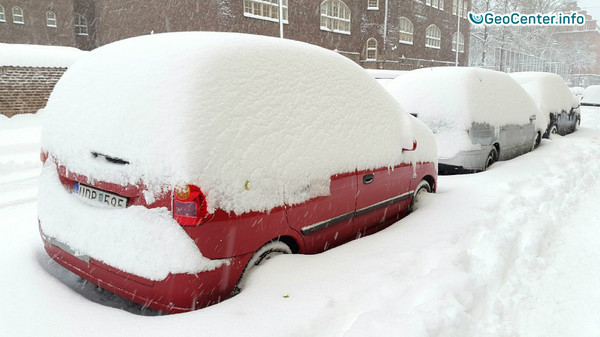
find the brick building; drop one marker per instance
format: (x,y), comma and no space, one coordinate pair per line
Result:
(580,48)
(388,34)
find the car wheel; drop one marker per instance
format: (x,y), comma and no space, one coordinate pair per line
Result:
(423,187)
(537,141)
(491,158)
(553,130)
(264,253)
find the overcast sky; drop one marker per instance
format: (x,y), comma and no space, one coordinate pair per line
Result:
(591,6)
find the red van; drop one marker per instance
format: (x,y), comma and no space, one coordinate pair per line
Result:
(174,163)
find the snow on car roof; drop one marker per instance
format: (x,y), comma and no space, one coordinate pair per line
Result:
(591,95)
(549,91)
(385,73)
(222,109)
(454,97)
(26,55)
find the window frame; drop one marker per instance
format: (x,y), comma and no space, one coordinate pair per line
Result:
(2,14)
(81,22)
(402,32)
(461,42)
(20,15)
(370,7)
(437,40)
(328,11)
(252,6)
(50,19)
(371,48)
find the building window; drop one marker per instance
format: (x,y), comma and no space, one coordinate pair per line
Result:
(50,19)
(406,29)
(2,15)
(81,26)
(335,16)
(461,42)
(433,36)
(435,4)
(459,7)
(372,4)
(266,10)
(18,16)
(371,49)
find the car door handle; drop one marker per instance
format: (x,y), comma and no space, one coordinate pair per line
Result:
(368,178)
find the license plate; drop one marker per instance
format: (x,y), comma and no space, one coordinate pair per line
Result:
(99,196)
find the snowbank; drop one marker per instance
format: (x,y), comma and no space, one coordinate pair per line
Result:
(548,90)
(449,100)
(25,55)
(141,241)
(591,95)
(220,109)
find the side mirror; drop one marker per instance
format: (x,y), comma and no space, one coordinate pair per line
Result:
(532,118)
(414,147)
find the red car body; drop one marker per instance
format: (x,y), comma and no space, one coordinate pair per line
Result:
(360,203)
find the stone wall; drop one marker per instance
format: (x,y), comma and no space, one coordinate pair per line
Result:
(26,89)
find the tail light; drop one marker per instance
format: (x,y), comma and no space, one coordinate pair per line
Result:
(189,206)
(43,156)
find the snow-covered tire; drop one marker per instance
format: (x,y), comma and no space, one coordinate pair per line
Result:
(491,158)
(536,141)
(553,131)
(423,187)
(264,253)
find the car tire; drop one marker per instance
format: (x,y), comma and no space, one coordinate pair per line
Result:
(423,187)
(537,141)
(267,251)
(491,158)
(553,130)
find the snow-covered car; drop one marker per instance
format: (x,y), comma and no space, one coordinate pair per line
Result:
(591,96)
(552,96)
(385,76)
(478,116)
(174,163)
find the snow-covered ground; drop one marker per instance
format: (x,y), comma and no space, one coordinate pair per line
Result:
(508,252)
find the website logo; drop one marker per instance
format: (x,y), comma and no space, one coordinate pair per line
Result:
(476,18)
(518,19)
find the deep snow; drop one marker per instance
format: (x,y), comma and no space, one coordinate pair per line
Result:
(27,55)
(507,252)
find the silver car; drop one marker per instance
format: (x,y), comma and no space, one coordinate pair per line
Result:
(478,116)
(553,97)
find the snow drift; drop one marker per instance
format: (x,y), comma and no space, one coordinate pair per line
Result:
(25,55)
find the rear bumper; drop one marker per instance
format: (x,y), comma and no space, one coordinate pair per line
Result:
(176,293)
